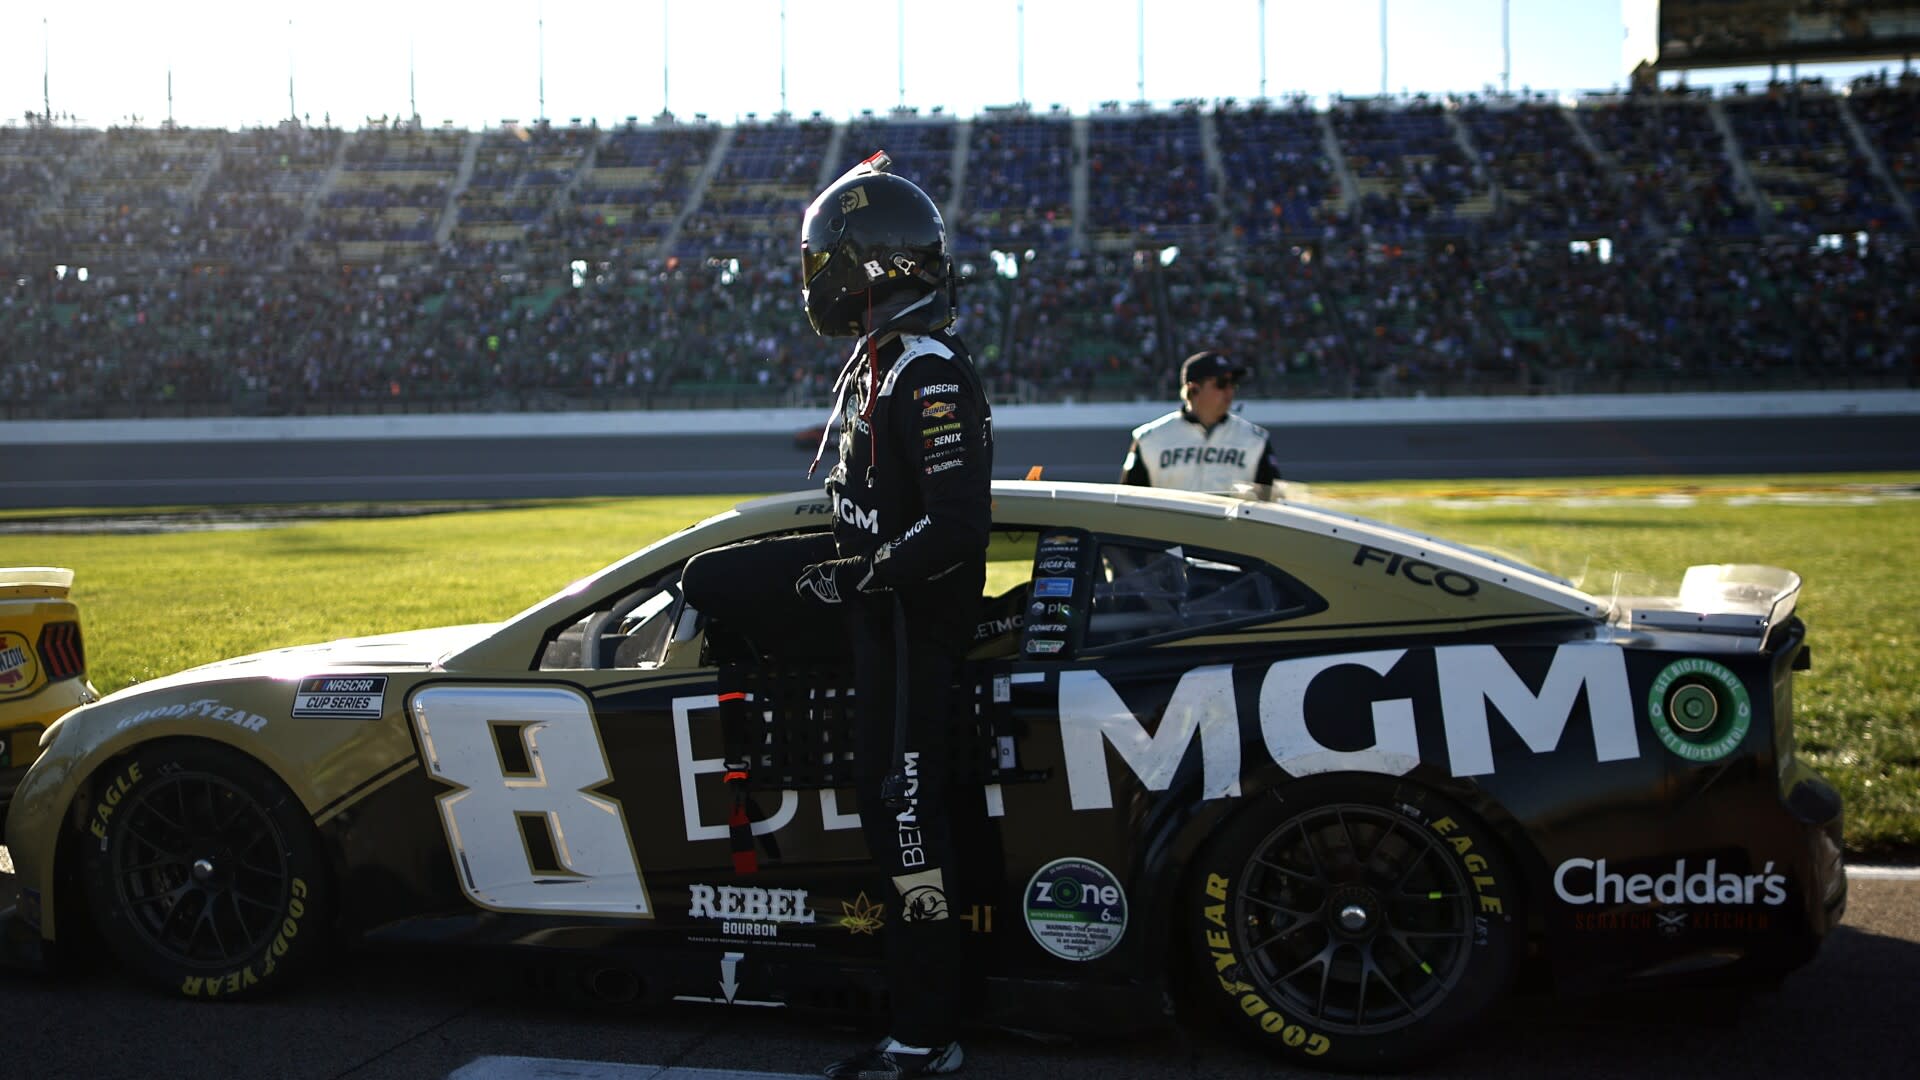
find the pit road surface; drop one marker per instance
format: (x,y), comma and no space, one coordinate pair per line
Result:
(407,1017)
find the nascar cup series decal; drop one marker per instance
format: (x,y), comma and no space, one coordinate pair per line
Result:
(341,697)
(1076,909)
(1699,709)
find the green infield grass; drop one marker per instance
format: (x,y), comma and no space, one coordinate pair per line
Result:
(155,602)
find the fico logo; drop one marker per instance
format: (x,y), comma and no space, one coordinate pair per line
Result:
(1451,582)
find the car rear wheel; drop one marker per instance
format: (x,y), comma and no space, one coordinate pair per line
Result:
(1352,921)
(204,874)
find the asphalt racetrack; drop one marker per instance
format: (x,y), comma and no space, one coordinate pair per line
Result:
(374,1017)
(742,460)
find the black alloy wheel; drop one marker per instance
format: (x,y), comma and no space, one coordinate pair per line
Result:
(203,872)
(1351,920)
(206,878)
(1356,919)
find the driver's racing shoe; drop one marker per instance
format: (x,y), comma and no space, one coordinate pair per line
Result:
(892,1060)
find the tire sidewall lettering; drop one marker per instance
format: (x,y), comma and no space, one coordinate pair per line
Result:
(270,954)
(1215,889)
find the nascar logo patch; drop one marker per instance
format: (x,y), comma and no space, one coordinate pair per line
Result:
(341,697)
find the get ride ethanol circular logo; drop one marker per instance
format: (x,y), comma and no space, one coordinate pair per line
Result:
(1076,909)
(1699,709)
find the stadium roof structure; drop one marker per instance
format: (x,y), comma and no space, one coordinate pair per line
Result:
(1702,34)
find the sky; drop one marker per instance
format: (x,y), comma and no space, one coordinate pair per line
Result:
(480,62)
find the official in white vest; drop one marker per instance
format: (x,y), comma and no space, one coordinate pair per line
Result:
(1203,445)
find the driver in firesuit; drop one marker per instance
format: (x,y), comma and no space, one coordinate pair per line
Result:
(905,570)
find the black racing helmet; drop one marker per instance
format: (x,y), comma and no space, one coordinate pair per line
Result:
(867,239)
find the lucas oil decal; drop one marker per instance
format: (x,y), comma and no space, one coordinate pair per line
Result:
(1392,696)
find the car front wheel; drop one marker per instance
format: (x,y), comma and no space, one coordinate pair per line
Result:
(204,874)
(1352,921)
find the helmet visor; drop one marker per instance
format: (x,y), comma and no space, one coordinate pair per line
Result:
(812,262)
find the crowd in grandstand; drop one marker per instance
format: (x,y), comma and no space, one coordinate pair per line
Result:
(1376,247)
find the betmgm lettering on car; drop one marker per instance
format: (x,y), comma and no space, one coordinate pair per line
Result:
(1470,678)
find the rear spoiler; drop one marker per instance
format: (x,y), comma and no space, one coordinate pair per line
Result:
(1740,599)
(35,583)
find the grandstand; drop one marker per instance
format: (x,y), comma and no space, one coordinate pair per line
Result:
(1484,244)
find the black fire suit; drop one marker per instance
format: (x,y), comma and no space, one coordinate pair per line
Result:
(911,501)
(911,492)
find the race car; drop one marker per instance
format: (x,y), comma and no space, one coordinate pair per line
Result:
(43,664)
(1338,784)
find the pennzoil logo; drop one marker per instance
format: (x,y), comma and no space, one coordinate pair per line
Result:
(19,672)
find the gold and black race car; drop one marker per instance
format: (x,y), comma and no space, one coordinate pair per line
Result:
(1339,783)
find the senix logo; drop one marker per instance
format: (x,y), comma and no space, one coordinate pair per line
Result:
(1471,677)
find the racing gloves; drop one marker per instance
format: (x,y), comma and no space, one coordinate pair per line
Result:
(832,581)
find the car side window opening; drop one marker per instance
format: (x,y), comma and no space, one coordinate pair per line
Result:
(1144,590)
(634,632)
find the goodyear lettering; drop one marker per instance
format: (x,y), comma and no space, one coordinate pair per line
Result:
(1226,967)
(1451,582)
(204,707)
(241,978)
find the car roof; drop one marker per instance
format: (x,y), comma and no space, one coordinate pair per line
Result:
(1294,536)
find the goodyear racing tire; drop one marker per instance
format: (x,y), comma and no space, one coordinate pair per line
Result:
(1351,921)
(204,874)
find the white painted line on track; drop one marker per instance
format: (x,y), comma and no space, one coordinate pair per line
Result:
(1885,873)
(527,1068)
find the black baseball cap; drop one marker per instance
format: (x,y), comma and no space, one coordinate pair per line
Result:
(1208,364)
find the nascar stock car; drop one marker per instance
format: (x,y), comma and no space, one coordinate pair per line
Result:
(1339,784)
(43,664)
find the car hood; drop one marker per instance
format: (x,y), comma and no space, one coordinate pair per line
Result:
(406,649)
